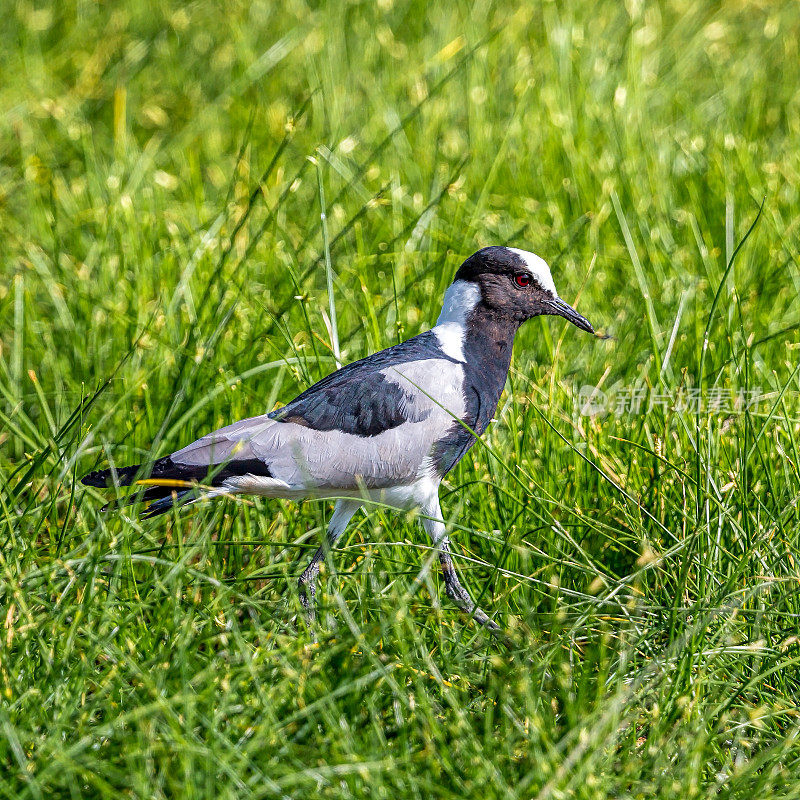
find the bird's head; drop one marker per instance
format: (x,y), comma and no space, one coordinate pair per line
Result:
(517,285)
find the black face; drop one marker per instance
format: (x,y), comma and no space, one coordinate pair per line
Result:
(508,287)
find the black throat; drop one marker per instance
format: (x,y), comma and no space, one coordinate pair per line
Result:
(488,342)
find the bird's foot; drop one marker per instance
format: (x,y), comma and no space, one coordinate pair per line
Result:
(460,596)
(307,590)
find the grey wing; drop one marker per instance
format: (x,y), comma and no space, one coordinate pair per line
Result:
(426,399)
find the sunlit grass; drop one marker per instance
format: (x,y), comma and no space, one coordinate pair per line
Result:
(165,270)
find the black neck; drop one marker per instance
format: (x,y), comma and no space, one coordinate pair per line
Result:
(488,342)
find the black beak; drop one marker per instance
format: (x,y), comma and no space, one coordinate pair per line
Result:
(562,309)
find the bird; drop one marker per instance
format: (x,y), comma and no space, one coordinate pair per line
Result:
(387,428)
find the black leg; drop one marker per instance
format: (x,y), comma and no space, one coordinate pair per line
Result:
(306,585)
(434,526)
(457,593)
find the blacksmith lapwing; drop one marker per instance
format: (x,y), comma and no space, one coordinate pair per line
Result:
(387,428)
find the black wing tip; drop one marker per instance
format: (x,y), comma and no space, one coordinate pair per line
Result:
(162,506)
(214,474)
(160,503)
(124,476)
(163,497)
(97,478)
(103,478)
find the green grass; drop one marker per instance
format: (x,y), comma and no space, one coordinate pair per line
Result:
(164,270)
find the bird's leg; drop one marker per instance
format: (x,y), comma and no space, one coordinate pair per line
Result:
(434,527)
(306,585)
(457,593)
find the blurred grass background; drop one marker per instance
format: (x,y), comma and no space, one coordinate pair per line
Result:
(162,171)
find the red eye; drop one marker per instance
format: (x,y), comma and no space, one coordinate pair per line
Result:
(522,279)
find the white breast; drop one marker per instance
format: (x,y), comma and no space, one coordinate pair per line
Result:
(459,299)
